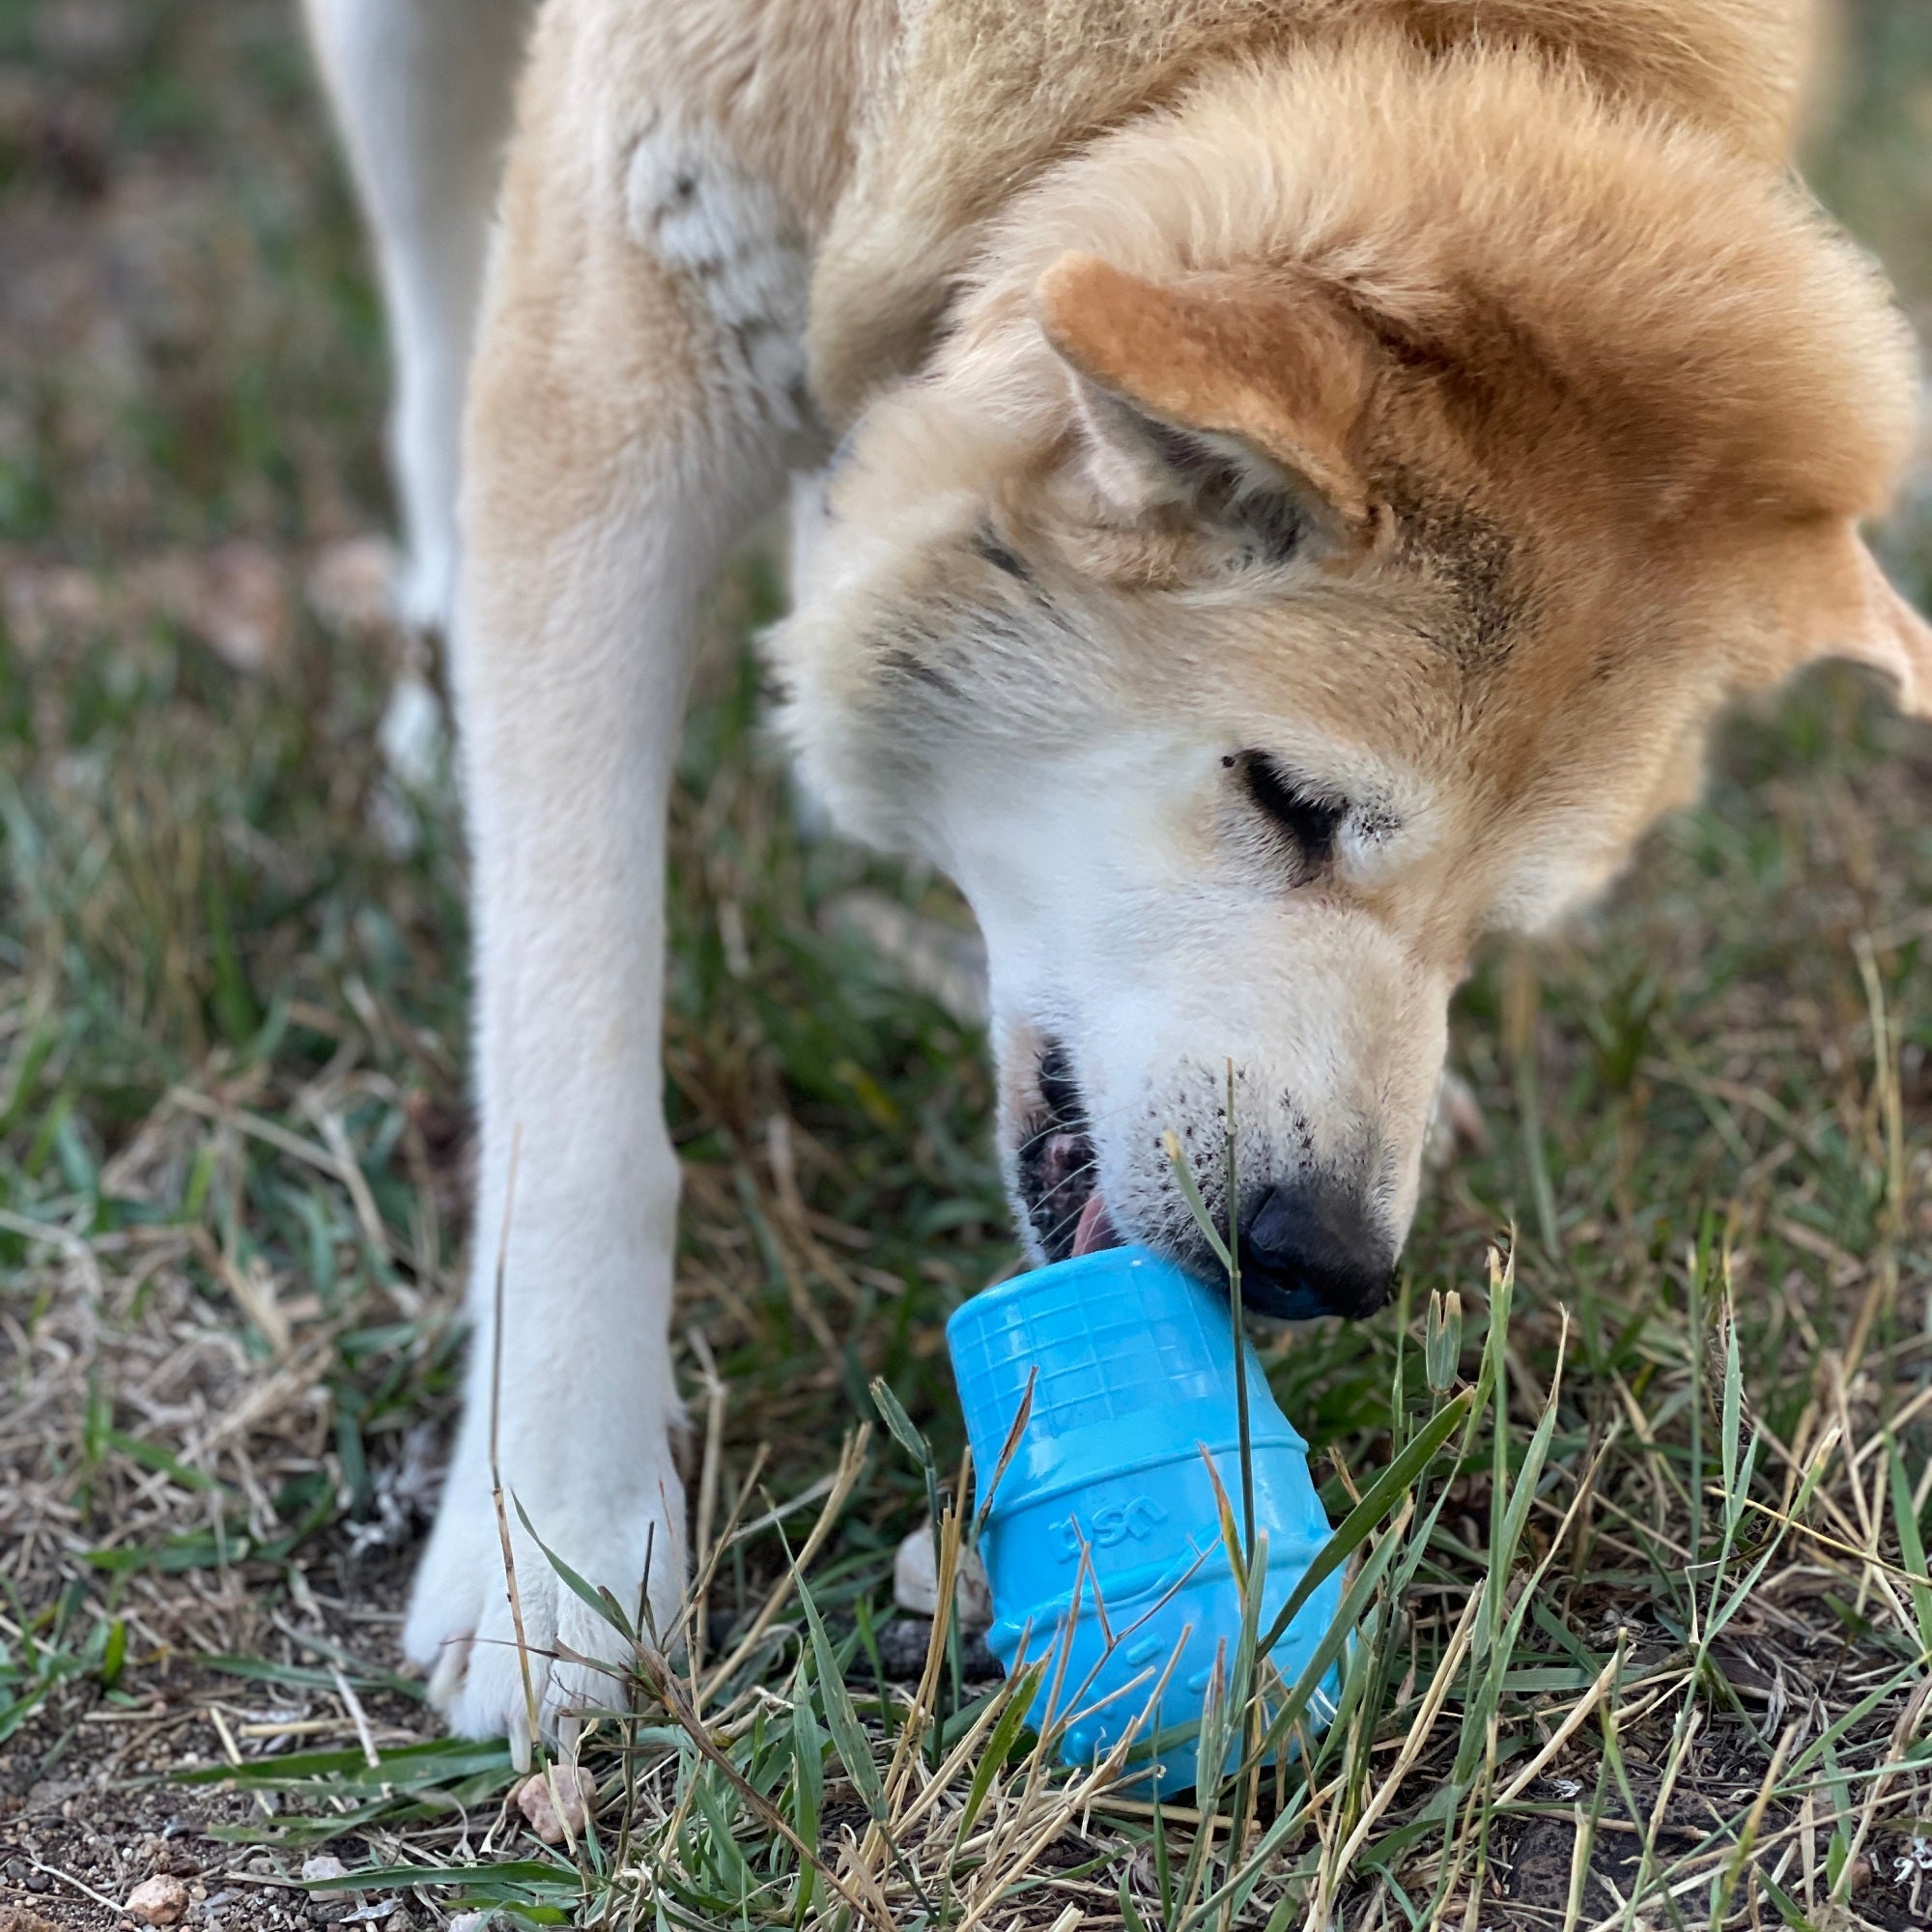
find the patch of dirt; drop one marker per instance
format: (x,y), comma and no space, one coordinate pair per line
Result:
(88,1806)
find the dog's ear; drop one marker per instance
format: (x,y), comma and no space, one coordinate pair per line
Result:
(1219,398)
(1848,609)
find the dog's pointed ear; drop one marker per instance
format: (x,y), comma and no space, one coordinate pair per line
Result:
(1176,383)
(1851,610)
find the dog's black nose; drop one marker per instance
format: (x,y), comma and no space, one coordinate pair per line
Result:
(1312,1247)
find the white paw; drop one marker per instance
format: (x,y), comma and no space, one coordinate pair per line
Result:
(617,1519)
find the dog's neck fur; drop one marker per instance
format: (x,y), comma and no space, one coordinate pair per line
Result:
(977,97)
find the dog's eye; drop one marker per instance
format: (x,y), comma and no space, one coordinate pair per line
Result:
(1310,817)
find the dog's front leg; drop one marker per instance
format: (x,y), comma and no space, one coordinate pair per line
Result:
(630,413)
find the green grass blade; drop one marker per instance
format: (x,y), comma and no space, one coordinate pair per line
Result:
(1337,1633)
(905,1431)
(1732,1423)
(1190,1192)
(1020,1691)
(601,1601)
(842,1718)
(1912,1546)
(807,1757)
(1378,1500)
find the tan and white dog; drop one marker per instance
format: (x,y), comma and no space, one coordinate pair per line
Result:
(1305,473)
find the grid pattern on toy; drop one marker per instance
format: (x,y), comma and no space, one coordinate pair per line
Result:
(1099,1359)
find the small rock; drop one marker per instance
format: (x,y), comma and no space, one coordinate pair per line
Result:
(471,1921)
(915,1581)
(159,1900)
(17,1918)
(576,1793)
(323,1866)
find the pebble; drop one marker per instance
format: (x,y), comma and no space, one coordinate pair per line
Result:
(575,1792)
(160,1900)
(323,1866)
(915,1581)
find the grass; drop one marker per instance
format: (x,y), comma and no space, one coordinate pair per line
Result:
(1644,1642)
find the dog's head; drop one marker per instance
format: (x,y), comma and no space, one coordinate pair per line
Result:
(1326,537)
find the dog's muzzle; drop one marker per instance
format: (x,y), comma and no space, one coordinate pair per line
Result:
(1309,1246)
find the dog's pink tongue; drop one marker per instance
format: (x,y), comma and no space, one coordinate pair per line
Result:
(1094,1229)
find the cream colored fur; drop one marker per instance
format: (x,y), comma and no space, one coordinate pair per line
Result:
(1444,405)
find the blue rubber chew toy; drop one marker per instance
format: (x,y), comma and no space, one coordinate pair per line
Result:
(1136,1372)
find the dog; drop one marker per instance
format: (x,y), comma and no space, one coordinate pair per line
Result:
(1288,483)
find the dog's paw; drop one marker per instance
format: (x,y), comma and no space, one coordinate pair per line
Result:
(619,1526)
